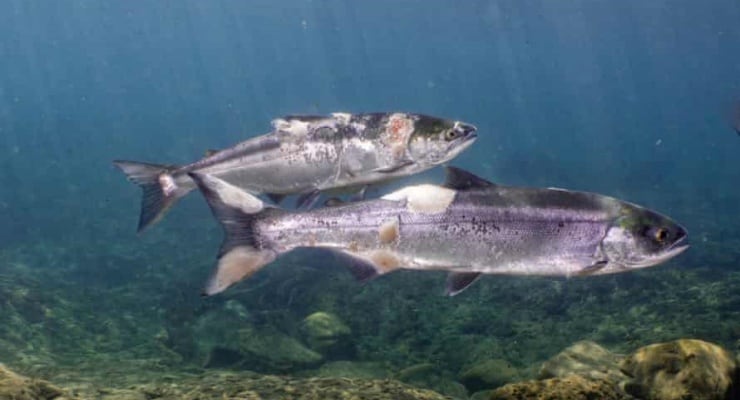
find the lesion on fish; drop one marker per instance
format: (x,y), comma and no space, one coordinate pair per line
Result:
(397,131)
(389,231)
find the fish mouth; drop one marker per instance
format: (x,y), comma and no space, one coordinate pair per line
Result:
(469,134)
(678,247)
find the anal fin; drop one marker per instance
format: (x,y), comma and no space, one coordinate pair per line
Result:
(368,266)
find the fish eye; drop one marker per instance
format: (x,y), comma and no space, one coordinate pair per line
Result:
(660,235)
(450,134)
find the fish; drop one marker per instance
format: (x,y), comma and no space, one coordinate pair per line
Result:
(467,226)
(307,155)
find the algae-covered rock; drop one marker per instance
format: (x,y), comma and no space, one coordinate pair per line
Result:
(430,376)
(488,374)
(325,332)
(230,385)
(584,358)
(572,387)
(682,369)
(17,387)
(278,388)
(351,369)
(270,350)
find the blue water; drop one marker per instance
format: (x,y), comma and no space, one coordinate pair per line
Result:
(626,98)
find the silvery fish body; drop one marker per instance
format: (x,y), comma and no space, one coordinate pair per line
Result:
(469,227)
(305,155)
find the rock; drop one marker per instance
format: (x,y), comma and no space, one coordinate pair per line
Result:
(228,385)
(17,387)
(584,358)
(682,369)
(573,387)
(417,372)
(326,333)
(428,375)
(271,387)
(351,369)
(214,329)
(488,374)
(482,395)
(269,350)
(222,357)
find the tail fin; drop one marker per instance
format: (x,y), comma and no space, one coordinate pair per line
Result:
(241,253)
(156,199)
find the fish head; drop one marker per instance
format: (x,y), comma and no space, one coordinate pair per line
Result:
(641,238)
(436,140)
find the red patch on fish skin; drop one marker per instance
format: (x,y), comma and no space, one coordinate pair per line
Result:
(398,126)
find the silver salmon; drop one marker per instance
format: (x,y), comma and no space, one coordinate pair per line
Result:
(468,226)
(306,155)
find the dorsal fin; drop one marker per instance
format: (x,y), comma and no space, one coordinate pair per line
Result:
(460,179)
(211,152)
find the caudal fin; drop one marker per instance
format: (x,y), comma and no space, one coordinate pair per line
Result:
(242,254)
(155,201)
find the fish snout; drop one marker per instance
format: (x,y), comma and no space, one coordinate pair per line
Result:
(682,238)
(466,130)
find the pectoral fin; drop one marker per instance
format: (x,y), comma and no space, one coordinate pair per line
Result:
(592,268)
(459,281)
(307,200)
(394,168)
(360,195)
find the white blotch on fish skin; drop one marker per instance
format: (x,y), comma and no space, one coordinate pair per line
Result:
(365,145)
(319,153)
(342,118)
(293,126)
(388,231)
(167,183)
(233,196)
(358,127)
(385,261)
(424,199)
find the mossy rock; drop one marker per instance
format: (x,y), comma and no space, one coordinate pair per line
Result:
(488,374)
(428,375)
(17,387)
(682,369)
(229,385)
(584,358)
(326,333)
(269,388)
(351,369)
(572,387)
(272,351)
